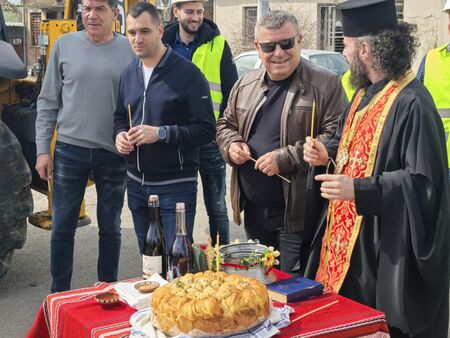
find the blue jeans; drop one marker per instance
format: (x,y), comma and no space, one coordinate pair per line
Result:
(267,225)
(169,195)
(72,167)
(212,172)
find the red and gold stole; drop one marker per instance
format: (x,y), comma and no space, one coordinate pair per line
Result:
(355,158)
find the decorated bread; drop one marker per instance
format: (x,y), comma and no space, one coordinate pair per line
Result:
(210,302)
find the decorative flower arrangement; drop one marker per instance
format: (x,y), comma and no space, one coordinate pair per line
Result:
(268,259)
(205,257)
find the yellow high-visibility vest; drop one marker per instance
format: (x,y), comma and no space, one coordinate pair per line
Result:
(437,81)
(348,88)
(207,58)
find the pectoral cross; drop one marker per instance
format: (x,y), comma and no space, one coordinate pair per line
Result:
(355,160)
(341,160)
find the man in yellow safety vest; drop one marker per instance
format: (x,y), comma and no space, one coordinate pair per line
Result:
(199,40)
(434,72)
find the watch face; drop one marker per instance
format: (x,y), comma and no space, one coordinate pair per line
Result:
(162,133)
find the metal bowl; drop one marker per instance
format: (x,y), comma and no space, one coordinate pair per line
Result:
(233,253)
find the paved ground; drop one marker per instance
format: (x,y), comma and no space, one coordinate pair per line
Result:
(28,280)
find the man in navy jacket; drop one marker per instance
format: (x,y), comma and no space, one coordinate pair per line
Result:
(198,40)
(164,114)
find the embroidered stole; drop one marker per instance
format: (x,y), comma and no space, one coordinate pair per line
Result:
(355,158)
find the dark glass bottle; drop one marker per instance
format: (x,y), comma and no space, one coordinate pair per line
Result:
(154,257)
(181,256)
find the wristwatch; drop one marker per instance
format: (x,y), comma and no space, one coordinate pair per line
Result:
(162,134)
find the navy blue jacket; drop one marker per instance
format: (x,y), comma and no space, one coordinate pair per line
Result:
(178,97)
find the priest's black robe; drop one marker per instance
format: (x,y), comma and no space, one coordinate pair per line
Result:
(400,263)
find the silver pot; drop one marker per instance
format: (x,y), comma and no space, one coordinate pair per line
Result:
(233,254)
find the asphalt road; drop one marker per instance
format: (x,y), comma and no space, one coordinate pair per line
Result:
(27,282)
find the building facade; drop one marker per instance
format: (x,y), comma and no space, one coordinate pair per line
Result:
(321,24)
(34,12)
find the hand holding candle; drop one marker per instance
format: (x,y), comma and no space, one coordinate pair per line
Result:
(282,177)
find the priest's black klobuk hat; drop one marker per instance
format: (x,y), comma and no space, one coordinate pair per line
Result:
(367,17)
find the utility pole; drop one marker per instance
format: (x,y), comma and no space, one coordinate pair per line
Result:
(263,8)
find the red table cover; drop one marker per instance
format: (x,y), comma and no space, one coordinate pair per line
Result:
(76,314)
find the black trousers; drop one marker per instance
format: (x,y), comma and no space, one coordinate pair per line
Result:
(267,226)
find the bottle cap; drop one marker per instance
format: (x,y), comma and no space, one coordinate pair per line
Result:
(153,199)
(180,206)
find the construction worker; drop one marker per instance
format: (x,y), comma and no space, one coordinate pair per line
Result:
(434,72)
(199,40)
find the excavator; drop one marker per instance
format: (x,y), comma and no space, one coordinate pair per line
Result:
(18,93)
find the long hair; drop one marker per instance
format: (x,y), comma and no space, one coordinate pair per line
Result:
(393,50)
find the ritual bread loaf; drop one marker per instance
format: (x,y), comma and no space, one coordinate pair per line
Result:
(215,303)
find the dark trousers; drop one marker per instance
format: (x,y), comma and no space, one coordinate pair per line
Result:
(169,195)
(267,225)
(72,167)
(212,173)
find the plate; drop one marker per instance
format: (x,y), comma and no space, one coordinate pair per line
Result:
(146,286)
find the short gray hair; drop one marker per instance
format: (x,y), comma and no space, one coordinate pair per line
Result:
(275,20)
(112,4)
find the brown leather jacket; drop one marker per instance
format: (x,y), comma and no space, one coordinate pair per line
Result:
(246,98)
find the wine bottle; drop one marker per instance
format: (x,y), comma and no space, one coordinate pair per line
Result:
(154,256)
(181,255)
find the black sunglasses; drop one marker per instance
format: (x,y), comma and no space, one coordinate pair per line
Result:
(269,47)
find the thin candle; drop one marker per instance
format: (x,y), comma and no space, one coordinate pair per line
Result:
(217,252)
(282,177)
(315,310)
(312,118)
(129,116)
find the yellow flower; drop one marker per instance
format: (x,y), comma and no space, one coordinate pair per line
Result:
(269,258)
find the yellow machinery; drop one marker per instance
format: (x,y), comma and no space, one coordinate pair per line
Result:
(50,31)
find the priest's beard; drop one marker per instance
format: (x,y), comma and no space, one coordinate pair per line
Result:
(358,77)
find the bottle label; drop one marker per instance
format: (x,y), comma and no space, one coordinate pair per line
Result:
(151,265)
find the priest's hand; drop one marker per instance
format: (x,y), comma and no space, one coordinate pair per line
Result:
(267,163)
(314,152)
(239,153)
(143,134)
(336,187)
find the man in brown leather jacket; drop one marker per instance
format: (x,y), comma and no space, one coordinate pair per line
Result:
(262,133)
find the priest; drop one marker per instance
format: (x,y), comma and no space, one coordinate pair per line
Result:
(384,236)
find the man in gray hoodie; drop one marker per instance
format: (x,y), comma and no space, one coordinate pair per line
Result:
(78,97)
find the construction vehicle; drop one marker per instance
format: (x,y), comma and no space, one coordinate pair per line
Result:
(18,95)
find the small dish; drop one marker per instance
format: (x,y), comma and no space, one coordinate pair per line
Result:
(146,286)
(107,298)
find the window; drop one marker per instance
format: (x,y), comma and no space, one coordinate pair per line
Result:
(399,6)
(35,21)
(51,15)
(330,32)
(248,31)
